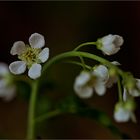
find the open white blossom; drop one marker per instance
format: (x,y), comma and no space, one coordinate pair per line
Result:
(110,44)
(124,113)
(87,82)
(30,56)
(7,89)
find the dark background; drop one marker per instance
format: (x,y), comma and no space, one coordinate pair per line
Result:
(65,25)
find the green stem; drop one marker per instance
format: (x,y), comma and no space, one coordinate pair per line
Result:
(47,116)
(78,63)
(83,62)
(119,90)
(80,46)
(77,54)
(84,44)
(31,112)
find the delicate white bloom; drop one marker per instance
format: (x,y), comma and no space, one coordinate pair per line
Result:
(101,72)
(101,75)
(81,86)
(30,56)
(124,112)
(135,91)
(7,89)
(100,87)
(110,44)
(87,81)
(122,115)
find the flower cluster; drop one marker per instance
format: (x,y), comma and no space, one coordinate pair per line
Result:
(103,77)
(96,80)
(124,111)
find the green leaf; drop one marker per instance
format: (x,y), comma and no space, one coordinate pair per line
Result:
(67,105)
(102,119)
(76,106)
(44,105)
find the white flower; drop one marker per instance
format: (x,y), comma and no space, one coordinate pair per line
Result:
(30,56)
(110,44)
(81,86)
(87,81)
(122,115)
(124,112)
(134,92)
(7,89)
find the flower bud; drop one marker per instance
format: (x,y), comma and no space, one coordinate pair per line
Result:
(110,44)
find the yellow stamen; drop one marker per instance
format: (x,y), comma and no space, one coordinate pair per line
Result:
(30,56)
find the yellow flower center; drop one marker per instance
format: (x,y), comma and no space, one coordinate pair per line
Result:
(30,56)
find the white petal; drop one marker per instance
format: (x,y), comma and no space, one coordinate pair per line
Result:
(37,40)
(110,49)
(10,93)
(112,39)
(18,48)
(44,55)
(83,91)
(134,92)
(35,71)
(138,83)
(101,72)
(121,115)
(100,88)
(125,94)
(82,79)
(118,41)
(17,67)
(3,69)
(116,63)
(108,39)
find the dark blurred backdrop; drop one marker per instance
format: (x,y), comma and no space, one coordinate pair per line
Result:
(65,25)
